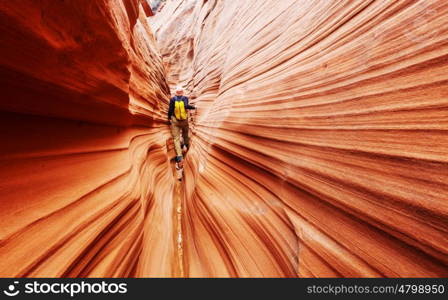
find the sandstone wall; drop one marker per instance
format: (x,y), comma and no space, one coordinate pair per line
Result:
(320,146)
(86,185)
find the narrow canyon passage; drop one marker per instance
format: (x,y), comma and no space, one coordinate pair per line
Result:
(319,146)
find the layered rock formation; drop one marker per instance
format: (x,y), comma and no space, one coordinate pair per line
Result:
(320,146)
(86,186)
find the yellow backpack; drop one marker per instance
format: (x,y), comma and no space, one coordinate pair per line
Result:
(179,109)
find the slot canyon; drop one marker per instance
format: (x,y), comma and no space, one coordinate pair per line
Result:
(319,147)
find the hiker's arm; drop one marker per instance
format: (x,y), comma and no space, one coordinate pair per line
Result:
(188,106)
(170,109)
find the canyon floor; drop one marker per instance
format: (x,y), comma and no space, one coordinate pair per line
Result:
(319,147)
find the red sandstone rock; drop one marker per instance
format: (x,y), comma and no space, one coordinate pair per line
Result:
(86,188)
(321,144)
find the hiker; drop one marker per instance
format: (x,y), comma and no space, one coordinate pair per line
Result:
(178,118)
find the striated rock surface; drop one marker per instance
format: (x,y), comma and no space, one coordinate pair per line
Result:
(86,186)
(320,146)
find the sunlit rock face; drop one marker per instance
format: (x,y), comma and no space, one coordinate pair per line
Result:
(320,144)
(321,140)
(86,188)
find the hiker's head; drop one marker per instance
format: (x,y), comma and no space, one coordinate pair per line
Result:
(179,91)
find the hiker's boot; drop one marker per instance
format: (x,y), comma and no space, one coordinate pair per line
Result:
(179,172)
(179,161)
(179,167)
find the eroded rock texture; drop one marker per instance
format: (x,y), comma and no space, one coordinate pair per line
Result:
(86,186)
(321,143)
(320,146)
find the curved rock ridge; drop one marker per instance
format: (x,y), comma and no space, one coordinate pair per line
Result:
(320,147)
(86,187)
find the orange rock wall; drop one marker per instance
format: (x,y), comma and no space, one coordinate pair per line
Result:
(86,186)
(320,145)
